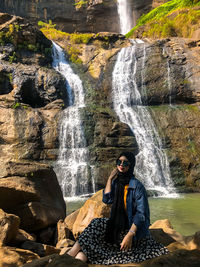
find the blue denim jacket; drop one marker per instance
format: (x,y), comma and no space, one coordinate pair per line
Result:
(136,204)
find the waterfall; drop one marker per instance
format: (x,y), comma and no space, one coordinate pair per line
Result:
(125,16)
(152,166)
(72,167)
(169,80)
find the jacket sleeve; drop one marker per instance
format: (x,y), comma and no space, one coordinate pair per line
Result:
(108,197)
(142,207)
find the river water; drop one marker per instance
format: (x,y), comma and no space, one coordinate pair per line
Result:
(183,212)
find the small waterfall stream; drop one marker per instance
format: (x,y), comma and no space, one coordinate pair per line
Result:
(152,164)
(72,167)
(125,16)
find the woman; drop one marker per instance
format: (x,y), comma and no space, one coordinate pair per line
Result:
(124,237)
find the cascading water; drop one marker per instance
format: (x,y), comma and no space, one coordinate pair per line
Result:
(152,164)
(72,167)
(125,16)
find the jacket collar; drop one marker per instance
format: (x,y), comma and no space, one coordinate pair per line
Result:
(132,183)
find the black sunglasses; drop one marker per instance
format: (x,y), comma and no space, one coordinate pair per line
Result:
(123,162)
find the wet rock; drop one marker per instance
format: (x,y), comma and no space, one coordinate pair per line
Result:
(178,126)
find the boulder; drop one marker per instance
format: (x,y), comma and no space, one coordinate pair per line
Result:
(70,219)
(166,226)
(57,261)
(40,249)
(23,236)
(93,208)
(65,243)
(161,237)
(9,226)
(35,196)
(193,242)
(62,231)
(178,258)
(46,236)
(66,260)
(40,262)
(15,257)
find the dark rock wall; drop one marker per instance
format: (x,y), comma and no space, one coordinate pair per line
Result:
(95,16)
(29,117)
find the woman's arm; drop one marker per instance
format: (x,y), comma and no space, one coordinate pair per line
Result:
(109,182)
(127,240)
(108,192)
(142,210)
(142,207)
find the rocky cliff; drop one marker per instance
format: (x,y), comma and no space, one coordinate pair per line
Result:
(33,94)
(74,15)
(31,98)
(167,78)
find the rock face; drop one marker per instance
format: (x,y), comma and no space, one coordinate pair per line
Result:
(91,16)
(168,80)
(8,228)
(33,194)
(93,208)
(15,257)
(30,105)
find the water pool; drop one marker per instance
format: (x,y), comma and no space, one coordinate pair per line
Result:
(183,212)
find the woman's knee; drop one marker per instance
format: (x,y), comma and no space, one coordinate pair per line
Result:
(81,256)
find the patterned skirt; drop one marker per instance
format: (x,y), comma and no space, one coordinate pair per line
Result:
(98,251)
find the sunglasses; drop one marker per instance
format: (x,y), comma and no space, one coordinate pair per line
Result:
(123,162)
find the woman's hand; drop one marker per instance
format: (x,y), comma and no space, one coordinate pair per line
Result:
(113,174)
(126,243)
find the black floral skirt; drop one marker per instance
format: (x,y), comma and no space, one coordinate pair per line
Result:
(98,251)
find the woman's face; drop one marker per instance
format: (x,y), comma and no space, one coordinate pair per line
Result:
(123,164)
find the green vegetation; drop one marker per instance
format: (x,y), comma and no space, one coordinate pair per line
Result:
(49,25)
(8,36)
(174,18)
(16,105)
(80,3)
(75,38)
(72,41)
(12,58)
(10,77)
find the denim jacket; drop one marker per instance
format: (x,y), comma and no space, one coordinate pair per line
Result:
(137,206)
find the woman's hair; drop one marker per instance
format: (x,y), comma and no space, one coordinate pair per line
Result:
(131,158)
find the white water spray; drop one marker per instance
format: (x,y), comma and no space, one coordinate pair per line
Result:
(152,166)
(125,16)
(72,167)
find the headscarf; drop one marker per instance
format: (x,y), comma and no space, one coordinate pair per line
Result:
(118,221)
